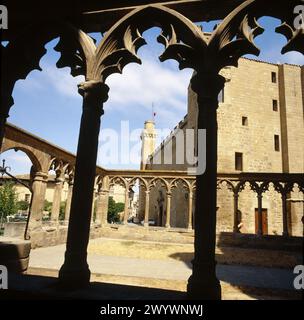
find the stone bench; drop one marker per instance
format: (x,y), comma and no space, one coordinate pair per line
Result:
(14,254)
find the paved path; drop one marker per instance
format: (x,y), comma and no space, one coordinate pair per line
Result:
(52,258)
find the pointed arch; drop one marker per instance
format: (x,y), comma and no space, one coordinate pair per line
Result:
(37,164)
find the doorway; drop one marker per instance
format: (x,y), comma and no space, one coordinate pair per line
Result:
(264,221)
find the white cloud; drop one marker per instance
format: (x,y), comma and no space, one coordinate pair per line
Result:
(18,162)
(151,82)
(294,58)
(21,158)
(51,79)
(147,83)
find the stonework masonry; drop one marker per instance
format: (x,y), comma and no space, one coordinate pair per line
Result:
(260,118)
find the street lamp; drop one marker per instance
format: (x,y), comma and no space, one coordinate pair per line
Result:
(5,170)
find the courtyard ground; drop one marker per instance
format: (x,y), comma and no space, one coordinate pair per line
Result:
(165,266)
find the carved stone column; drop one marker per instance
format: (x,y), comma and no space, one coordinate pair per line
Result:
(102,203)
(147,207)
(235,212)
(102,208)
(6,100)
(285,215)
(2,128)
(39,185)
(126,211)
(75,270)
(68,202)
(260,214)
(203,283)
(190,208)
(59,181)
(93,207)
(168,209)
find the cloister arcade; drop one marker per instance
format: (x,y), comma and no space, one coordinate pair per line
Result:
(187,44)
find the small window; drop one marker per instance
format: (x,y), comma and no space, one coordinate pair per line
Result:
(273,77)
(244,121)
(276,143)
(27,197)
(238,161)
(275,105)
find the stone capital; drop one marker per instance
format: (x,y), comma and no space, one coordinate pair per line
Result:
(104,191)
(71,182)
(207,85)
(59,180)
(94,91)
(40,176)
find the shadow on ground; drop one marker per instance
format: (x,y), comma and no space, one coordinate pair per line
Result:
(29,287)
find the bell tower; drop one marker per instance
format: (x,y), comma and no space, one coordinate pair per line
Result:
(148,138)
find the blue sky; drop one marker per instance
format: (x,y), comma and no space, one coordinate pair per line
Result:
(48,105)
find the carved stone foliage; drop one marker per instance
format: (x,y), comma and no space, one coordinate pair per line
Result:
(141,182)
(21,56)
(259,187)
(183,41)
(61,168)
(283,185)
(291,27)
(179,182)
(119,181)
(161,182)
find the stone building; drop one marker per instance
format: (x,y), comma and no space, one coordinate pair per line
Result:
(117,192)
(260,130)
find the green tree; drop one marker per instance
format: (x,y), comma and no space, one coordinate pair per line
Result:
(47,206)
(23,205)
(8,200)
(62,210)
(114,209)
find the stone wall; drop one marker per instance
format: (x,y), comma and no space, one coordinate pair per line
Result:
(255,108)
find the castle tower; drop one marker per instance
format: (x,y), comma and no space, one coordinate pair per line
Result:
(148,138)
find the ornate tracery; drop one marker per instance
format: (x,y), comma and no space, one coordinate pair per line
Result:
(187,44)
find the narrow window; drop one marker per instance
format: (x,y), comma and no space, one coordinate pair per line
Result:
(273,77)
(27,197)
(244,121)
(276,143)
(275,105)
(238,161)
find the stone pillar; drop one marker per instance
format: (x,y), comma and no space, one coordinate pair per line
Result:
(39,185)
(235,212)
(126,211)
(168,209)
(147,207)
(93,207)
(102,208)
(2,128)
(75,272)
(260,214)
(285,215)
(203,283)
(59,181)
(102,204)
(6,100)
(190,208)
(68,203)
